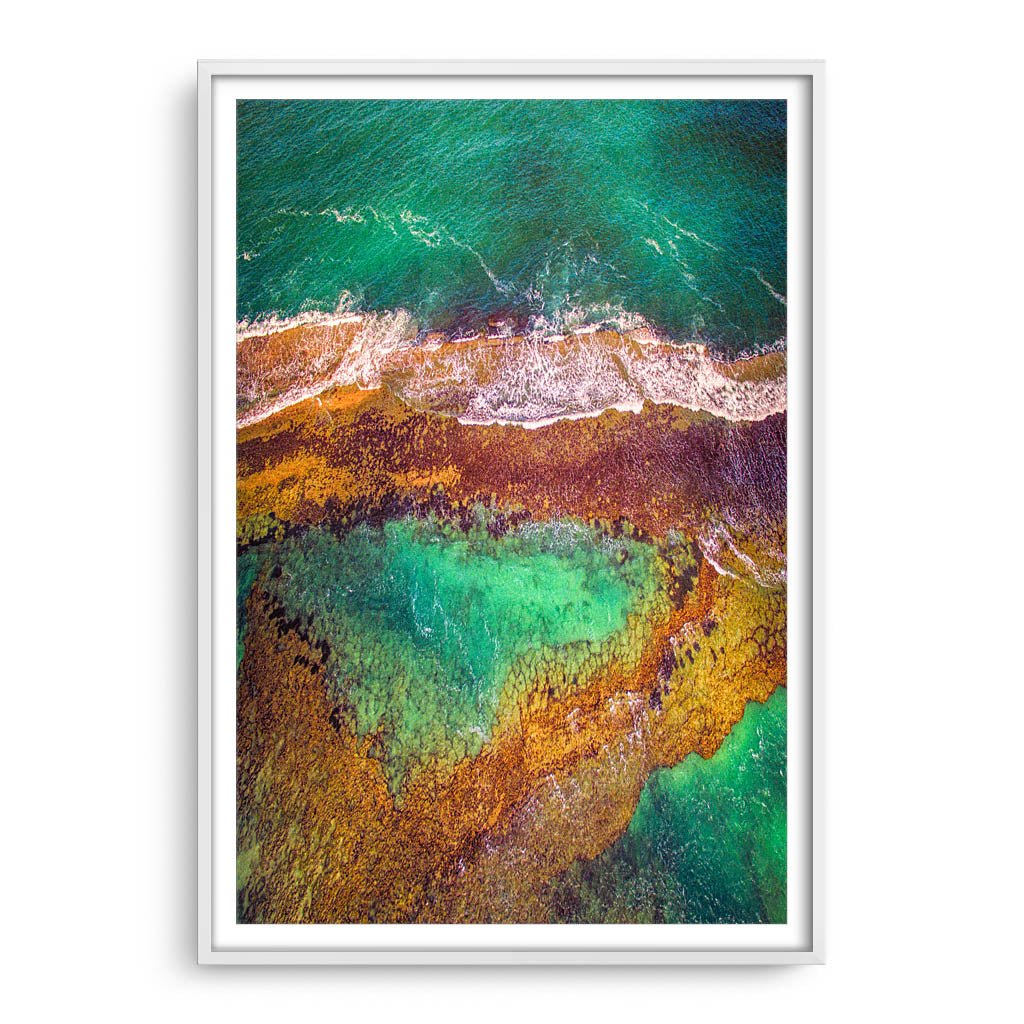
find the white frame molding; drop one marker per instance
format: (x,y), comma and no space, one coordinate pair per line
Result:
(808,448)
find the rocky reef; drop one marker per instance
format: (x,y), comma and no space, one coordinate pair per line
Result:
(464,647)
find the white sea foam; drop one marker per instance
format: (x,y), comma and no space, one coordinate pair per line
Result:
(266,326)
(587,319)
(270,324)
(502,287)
(774,294)
(718,544)
(532,381)
(421,228)
(692,235)
(346,216)
(334,351)
(535,383)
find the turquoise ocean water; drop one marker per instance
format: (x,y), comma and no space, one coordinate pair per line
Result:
(547,213)
(708,841)
(425,621)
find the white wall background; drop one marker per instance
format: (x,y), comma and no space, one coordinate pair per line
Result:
(924,313)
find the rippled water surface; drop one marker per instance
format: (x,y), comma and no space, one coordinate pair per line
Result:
(549,213)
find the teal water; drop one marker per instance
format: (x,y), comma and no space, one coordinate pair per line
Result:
(707,842)
(425,621)
(550,213)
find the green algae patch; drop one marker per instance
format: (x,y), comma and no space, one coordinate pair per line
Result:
(424,621)
(706,844)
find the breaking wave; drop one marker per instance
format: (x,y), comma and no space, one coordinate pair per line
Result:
(530,379)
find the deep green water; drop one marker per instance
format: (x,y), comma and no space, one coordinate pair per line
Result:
(549,212)
(707,843)
(425,621)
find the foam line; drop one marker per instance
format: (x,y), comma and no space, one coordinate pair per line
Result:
(531,381)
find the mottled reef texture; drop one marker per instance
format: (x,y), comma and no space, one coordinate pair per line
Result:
(363,454)
(321,837)
(322,833)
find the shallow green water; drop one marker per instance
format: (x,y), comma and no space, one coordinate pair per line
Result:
(424,621)
(552,211)
(707,842)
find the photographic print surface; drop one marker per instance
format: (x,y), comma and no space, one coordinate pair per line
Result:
(511,511)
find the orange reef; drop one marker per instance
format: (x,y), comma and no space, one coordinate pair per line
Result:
(347,452)
(323,838)
(322,834)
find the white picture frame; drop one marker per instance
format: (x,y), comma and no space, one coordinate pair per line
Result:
(219,83)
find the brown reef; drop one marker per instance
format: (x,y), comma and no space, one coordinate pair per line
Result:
(352,452)
(322,837)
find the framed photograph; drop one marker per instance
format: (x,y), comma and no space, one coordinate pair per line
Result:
(508,513)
